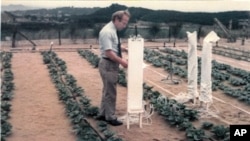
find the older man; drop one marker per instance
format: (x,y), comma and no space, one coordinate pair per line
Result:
(110,48)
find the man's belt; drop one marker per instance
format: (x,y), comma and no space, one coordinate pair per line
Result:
(107,58)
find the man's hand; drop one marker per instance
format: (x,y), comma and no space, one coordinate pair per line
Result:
(124,64)
(125,49)
(111,55)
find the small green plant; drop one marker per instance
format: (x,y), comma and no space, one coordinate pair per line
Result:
(194,134)
(207,125)
(220,132)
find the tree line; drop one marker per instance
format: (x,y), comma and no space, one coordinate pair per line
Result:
(95,19)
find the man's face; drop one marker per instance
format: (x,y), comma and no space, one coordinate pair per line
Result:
(123,23)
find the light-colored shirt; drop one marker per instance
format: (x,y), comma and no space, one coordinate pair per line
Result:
(108,39)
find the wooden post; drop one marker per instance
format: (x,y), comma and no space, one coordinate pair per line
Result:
(59,36)
(14,37)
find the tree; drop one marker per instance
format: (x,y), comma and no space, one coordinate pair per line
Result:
(154,30)
(73,32)
(84,34)
(199,33)
(96,30)
(169,33)
(59,28)
(175,30)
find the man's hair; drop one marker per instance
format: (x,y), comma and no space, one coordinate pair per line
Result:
(119,14)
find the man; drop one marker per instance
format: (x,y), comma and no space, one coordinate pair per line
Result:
(109,64)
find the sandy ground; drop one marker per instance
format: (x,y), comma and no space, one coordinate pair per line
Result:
(38,115)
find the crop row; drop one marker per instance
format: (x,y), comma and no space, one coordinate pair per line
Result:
(181,56)
(7,88)
(230,52)
(176,114)
(232,81)
(78,106)
(181,117)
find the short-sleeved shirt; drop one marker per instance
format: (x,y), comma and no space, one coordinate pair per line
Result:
(108,39)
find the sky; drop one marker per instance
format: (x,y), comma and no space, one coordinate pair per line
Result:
(179,5)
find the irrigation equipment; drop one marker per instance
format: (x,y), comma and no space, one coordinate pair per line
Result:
(169,79)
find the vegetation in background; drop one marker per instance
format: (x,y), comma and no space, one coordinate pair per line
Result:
(74,21)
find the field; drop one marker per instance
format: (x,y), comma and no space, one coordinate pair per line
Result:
(38,114)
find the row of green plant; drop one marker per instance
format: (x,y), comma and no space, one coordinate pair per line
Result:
(78,106)
(181,117)
(234,53)
(229,55)
(89,56)
(177,114)
(181,56)
(7,92)
(232,81)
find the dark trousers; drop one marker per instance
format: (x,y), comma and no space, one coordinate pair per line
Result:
(109,74)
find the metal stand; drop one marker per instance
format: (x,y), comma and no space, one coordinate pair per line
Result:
(170,79)
(137,114)
(141,114)
(51,45)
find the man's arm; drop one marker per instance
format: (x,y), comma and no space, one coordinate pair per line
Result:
(123,48)
(111,55)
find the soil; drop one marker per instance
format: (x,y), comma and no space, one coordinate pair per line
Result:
(38,115)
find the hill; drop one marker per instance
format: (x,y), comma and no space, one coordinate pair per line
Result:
(73,20)
(170,16)
(24,11)
(102,15)
(166,16)
(15,7)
